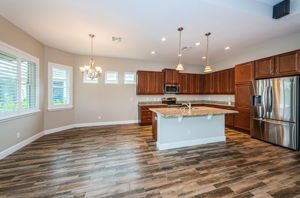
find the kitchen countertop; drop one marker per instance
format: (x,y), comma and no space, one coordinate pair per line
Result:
(197,111)
(192,102)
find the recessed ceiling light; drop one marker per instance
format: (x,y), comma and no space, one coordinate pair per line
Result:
(197,44)
(227,48)
(153,52)
(203,57)
(163,39)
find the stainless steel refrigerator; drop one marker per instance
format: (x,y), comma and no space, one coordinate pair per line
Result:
(275,116)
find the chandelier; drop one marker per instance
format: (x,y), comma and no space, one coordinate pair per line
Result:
(91,70)
(207,67)
(180,65)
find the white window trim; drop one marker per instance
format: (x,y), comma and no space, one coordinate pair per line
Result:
(112,83)
(6,116)
(52,107)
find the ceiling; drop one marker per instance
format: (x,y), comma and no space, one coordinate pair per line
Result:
(65,24)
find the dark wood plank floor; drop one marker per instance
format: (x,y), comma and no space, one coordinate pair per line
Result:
(122,161)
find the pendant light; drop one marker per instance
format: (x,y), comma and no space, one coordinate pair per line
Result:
(91,70)
(180,65)
(207,67)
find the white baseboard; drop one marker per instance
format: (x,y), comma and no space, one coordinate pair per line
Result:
(180,144)
(49,131)
(105,123)
(27,141)
(20,145)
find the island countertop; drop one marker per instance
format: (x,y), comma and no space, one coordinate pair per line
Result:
(196,111)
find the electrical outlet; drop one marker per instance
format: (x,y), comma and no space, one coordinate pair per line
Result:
(18,135)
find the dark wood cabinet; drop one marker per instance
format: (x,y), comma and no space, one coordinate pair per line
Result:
(244,72)
(183,83)
(154,126)
(150,82)
(215,88)
(220,82)
(231,81)
(287,63)
(242,119)
(243,95)
(264,68)
(171,76)
(190,83)
(145,115)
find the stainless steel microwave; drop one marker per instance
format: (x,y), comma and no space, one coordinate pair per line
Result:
(171,88)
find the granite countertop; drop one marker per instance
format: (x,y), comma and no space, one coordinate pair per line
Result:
(192,102)
(197,111)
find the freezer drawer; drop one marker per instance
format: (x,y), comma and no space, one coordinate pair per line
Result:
(277,132)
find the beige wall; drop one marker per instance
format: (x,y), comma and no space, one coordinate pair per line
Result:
(57,118)
(114,102)
(29,125)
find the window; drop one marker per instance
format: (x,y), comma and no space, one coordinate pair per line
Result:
(129,78)
(60,87)
(111,77)
(18,82)
(86,79)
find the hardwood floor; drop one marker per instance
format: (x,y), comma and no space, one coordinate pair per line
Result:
(122,161)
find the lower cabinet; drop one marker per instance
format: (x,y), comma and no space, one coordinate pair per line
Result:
(145,115)
(154,126)
(242,119)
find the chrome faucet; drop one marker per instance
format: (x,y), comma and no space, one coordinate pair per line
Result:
(188,105)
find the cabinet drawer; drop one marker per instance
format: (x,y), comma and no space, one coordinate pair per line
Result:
(146,113)
(146,120)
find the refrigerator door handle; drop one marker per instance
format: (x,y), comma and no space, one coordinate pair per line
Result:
(270,99)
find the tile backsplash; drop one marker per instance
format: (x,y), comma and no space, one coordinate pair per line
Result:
(219,98)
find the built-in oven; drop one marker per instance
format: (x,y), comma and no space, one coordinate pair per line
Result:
(171,88)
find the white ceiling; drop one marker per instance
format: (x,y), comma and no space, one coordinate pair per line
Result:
(65,24)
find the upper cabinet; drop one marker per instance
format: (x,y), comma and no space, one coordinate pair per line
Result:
(190,83)
(264,67)
(288,63)
(220,82)
(279,65)
(244,73)
(171,76)
(150,82)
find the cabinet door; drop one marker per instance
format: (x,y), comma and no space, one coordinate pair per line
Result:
(288,63)
(197,83)
(243,95)
(171,76)
(224,81)
(183,83)
(264,68)
(142,82)
(244,73)
(159,83)
(191,83)
(231,81)
(207,83)
(229,120)
(151,82)
(215,89)
(242,119)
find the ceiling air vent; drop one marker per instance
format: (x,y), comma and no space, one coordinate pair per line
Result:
(281,9)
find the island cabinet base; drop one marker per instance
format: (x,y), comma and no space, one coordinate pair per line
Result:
(176,132)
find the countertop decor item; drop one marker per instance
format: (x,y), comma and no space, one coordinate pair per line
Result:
(91,70)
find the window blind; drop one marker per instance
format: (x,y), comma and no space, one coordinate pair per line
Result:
(9,82)
(18,84)
(60,86)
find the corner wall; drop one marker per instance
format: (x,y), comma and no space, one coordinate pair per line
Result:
(31,124)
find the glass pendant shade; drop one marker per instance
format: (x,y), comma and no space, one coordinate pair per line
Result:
(207,68)
(179,67)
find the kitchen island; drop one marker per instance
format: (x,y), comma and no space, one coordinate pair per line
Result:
(181,127)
